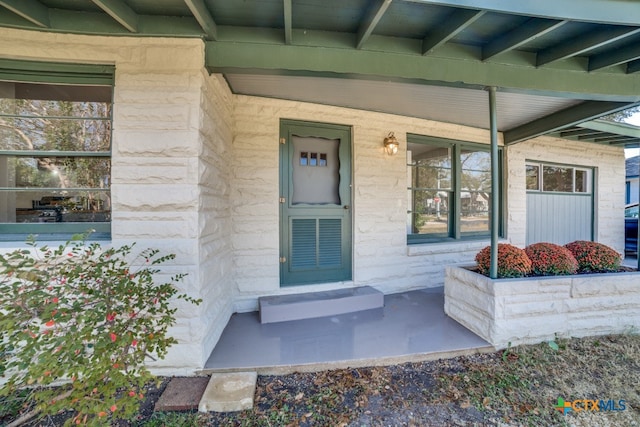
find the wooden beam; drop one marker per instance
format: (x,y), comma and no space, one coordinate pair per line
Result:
(629,143)
(326,57)
(203,16)
(452,26)
(621,12)
(577,133)
(288,22)
(369,23)
(633,67)
(121,12)
(31,10)
(583,43)
(531,30)
(619,56)
(568,117)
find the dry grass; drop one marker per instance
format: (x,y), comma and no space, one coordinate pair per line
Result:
(516,387)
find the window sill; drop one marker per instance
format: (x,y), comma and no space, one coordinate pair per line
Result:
(449,246)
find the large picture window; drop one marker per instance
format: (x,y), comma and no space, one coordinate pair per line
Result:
(449,189)
(55,158)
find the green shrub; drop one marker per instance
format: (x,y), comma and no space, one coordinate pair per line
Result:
(512,261)
(87,318)
(548,259)
(594,257)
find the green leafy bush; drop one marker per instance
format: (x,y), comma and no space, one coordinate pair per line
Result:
(594,257)
(512,261)
(548,259)
(87,318)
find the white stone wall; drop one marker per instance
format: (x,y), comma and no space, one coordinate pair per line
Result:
(195,172)
(171,144)
(531,310)
(382,258)
(214,210)
(609,191)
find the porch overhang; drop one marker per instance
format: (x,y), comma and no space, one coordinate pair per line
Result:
(581,55)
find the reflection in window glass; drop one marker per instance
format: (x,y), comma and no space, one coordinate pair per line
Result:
(475,197)
(55,164)
(430,189)
(557,178)
(533,177)
(582,183)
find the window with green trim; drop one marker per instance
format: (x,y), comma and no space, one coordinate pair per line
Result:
(555,178)
(55,157)
(449,189)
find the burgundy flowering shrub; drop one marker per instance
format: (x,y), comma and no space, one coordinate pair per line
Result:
(512,261)
(87,318)
(594,257)
(548,259)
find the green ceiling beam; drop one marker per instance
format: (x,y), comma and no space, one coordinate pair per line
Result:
(522,35)
(460,71)
(453,25)
(629,143)
(102,24)
(612,139)
(204,18)
(568,117)
(121,12)
(612,127)
(633,66)
(573,133)
(614,12)
(618,56)
(31,10)
(369,23)
(288,22)
(583,43)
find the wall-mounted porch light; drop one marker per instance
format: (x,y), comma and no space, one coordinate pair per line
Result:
(391,144)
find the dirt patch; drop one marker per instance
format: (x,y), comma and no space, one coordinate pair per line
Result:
(518,386)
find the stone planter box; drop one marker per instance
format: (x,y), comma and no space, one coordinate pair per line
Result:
(535,309)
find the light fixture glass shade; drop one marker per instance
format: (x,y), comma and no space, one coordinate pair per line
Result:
(391,144)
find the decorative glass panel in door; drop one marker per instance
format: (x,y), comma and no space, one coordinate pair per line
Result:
(315,211)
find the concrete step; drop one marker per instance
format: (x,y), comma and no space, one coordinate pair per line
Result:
(281,308)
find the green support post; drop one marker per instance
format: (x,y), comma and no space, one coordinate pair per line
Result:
(495,183)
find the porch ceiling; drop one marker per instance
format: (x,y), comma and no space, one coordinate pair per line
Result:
(555,63)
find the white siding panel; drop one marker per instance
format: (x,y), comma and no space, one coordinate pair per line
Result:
(559,218)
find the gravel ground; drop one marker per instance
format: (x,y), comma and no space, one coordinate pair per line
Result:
(516,387)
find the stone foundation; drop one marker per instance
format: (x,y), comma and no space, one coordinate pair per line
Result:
(535,309)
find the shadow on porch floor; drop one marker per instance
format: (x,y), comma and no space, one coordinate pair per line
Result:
(412,326)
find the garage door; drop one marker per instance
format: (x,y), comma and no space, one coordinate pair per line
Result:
(559,203)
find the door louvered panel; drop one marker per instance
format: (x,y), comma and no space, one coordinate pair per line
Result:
(303,244)
(330,243)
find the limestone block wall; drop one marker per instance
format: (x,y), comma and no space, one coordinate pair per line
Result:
(608,192)
(531,310)
(381,255)
(171,134)
(215,258)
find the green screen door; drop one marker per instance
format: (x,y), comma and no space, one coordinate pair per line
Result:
(315,203)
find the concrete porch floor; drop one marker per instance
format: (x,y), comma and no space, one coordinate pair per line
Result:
(411,327)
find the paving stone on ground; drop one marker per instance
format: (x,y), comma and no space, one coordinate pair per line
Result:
(229,392)
(182,394)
